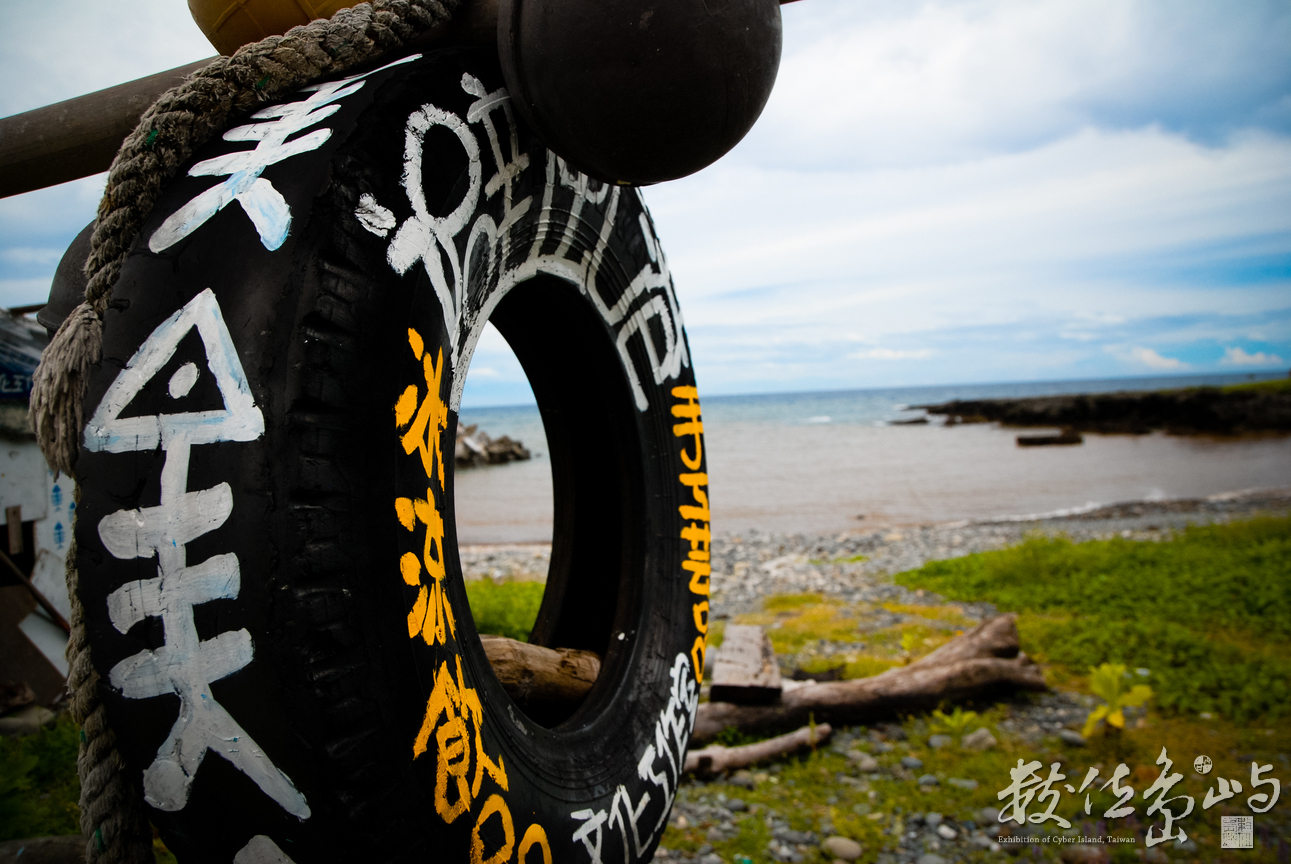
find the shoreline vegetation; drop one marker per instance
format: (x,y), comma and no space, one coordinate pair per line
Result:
(1263,406)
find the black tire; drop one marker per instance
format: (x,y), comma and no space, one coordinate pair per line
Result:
(301,353)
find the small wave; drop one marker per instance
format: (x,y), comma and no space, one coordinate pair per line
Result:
(1088,507)
(823,418)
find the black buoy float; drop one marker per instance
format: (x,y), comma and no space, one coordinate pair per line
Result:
(640,91)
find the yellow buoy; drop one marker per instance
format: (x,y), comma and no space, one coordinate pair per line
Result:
(230,24)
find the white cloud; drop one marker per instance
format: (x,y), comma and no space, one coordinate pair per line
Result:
(1238,357)
(894,83)
(28,255)
(1094,227)
(1151,359)
(23,292)
(890,354)
(60,49)
(484,372)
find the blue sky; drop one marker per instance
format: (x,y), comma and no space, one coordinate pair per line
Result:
(938,192)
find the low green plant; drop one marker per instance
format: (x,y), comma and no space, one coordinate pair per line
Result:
(39,788)
(955,723)
(505,609)
(1207,610)
(908,642)
(1108,682)
(1274,385)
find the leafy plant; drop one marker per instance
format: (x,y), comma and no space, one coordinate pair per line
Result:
(1108,682)
(954,724)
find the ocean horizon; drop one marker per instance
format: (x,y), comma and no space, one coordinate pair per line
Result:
(832,461)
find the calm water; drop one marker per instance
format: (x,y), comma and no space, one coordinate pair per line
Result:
(828,462)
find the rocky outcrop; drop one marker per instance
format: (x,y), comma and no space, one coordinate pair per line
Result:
(475,448)
(1196,410)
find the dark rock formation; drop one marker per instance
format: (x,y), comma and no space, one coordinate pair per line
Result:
(1196,410)
(475,448)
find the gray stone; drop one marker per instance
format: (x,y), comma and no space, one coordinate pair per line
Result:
(712,858)
(742,778)
(1069,736)
(737,805)
(882,747)
(842,847)
(863,761)
(704,850)
(912,763)
(982,739)
(932,820)
(946,832)
(936,742)
(928,780)
(930,858)
(961,783)
(989,815)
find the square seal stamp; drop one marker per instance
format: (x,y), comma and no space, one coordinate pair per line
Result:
(1237,832)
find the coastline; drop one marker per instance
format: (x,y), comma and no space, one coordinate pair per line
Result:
(752,565)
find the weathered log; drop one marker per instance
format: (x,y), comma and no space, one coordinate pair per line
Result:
(996,637)
(982,661)
(745,669)
(536,676)
(715,758)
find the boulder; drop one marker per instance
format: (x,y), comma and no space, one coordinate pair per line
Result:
(842,847)
(982,739)
(474,447)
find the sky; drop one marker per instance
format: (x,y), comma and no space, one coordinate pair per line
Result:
(954,191)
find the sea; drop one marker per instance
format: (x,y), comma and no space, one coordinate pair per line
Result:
(840,462)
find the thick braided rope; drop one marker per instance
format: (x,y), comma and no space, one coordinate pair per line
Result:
(180,121)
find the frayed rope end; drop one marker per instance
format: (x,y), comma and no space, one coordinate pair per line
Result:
(58,387)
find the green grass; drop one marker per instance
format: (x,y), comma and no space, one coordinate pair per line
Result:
(1274,385)
(1207,611)
(805,791)
(39,788)
(506,609)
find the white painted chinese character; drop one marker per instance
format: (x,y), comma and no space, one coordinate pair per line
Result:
(184,665)
(264,204)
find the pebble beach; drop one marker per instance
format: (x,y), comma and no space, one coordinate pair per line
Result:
(856,568)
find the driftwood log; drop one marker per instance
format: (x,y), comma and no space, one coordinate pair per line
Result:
(983,661)
(745,669)
(542,679)
(714,759)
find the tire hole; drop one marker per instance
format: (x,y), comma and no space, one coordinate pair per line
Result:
(588,443)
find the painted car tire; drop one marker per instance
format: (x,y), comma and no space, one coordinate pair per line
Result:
(266,538)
